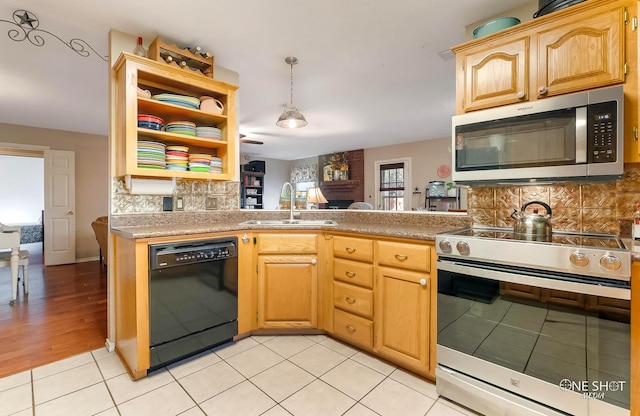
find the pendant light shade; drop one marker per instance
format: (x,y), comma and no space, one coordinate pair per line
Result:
(291,118)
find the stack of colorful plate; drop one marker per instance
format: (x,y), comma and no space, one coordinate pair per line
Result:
(147,121)
(182,127)
(209,132)
(177,157)
(151,155)
(181,100)
(199,162)
(216,165)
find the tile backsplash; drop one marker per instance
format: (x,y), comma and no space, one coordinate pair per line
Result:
(192,192)
(606,207)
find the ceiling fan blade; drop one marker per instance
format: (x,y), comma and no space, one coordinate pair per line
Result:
(249,141)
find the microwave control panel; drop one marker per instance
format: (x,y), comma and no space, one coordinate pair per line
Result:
(602,132)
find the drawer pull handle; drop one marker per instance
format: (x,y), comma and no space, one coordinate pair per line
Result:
(350,274)
(350,250)
(351,300)
(401,257)
(351,329)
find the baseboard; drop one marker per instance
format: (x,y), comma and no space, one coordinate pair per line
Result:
(109,345)
(87,259)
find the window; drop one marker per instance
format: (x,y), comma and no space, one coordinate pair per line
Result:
(392,186)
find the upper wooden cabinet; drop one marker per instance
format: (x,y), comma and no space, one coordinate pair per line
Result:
(555,54)
(133,72)
(495,75)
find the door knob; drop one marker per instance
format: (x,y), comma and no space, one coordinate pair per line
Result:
(70,213)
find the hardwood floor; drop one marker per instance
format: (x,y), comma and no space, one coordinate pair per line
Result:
(64,314)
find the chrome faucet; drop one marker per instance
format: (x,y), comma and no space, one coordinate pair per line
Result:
(293,198)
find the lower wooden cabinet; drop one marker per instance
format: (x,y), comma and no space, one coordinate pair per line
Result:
(287,291)
(402,311)
(380,300)
(287,286)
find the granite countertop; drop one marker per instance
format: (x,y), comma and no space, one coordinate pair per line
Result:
(401,225)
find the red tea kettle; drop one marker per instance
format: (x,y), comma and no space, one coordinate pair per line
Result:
(534,226)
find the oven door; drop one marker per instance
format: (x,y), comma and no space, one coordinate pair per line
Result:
(560,343)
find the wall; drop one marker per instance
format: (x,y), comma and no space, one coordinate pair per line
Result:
(92,178)
(605,207)
(426,156)
(25,190)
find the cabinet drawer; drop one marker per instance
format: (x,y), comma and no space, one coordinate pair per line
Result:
(353,299)
(353,328)
(287,243)
(353,272)
(353,248)
(406,256)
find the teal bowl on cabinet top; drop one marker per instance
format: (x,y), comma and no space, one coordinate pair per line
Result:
(495,25)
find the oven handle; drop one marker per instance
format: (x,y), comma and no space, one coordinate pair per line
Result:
(557,284)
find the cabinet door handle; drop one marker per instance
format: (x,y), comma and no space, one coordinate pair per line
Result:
(314,261)
(350,274)
(542,90)
(350,250)
(350,300)
(423,282)
(520,94)
(350,329)
(401,257)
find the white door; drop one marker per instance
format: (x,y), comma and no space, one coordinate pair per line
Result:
(59,207)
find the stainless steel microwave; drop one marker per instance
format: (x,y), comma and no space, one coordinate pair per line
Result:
(574,136)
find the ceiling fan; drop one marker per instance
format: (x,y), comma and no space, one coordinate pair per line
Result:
(249,141)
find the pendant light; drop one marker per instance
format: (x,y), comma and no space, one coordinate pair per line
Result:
(291,118)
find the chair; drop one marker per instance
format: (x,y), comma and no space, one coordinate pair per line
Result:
(101,229)
(10,238)
(360,205)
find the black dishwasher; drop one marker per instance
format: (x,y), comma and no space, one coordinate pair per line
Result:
(193,297)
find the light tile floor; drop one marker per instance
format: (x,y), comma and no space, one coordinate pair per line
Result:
(259,375)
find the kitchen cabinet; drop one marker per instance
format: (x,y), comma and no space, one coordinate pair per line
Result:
(287,288)
(402,303)
(353,290)
(382,298)
(133,72)
(493,75)
(555,54)
(251,190)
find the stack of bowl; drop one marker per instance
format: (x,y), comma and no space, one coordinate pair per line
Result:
(147,121)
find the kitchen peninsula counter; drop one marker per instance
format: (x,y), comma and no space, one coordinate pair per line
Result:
(411,225)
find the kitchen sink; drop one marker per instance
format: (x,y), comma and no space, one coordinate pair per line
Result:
(292,223)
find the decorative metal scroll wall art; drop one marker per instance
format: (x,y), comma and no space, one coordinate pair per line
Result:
(27,29)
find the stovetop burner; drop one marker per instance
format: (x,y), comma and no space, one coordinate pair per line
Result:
(587,254)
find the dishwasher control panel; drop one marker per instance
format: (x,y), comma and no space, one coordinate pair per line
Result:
(168,255)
